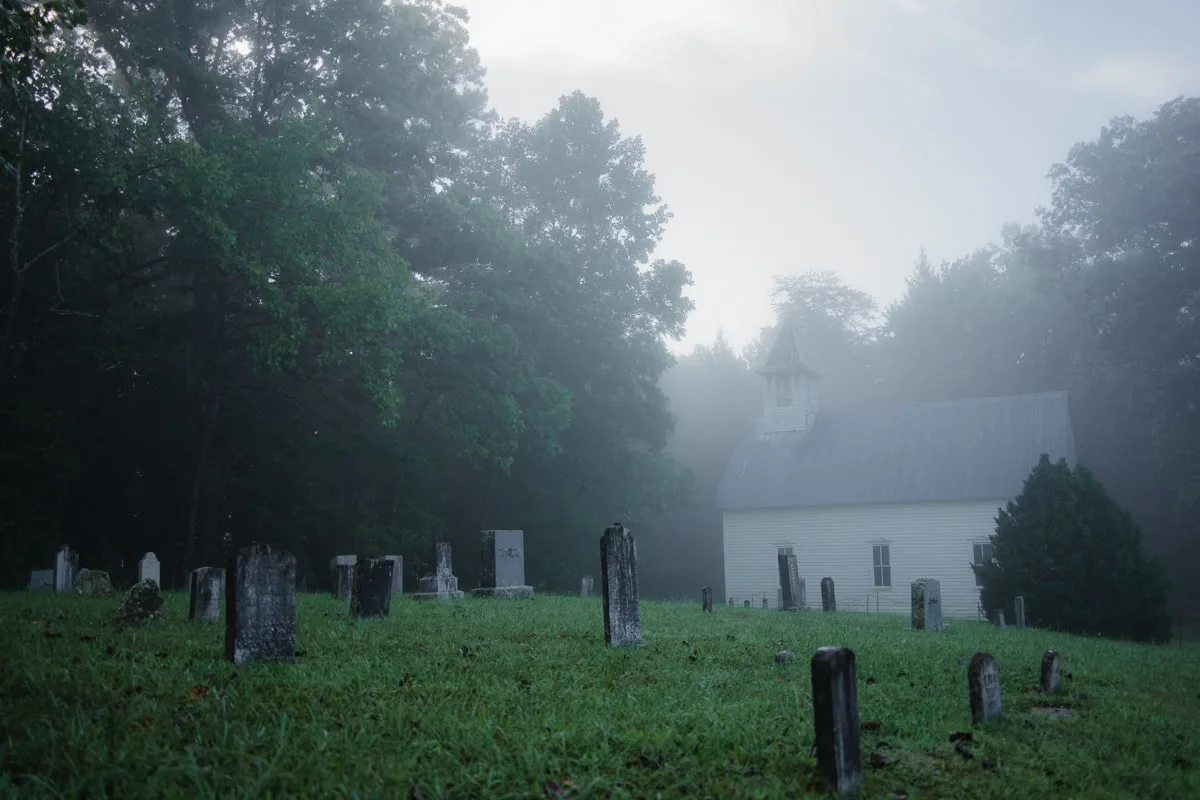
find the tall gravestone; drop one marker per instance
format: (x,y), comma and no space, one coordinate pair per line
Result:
(372,592)
(585,586)
(619,586)
(66,564)
(150,570)
(442,585)
(828,599)
(835,718)
(1019,611)
(342,569)
(397,573)
(789,582)
(260,605)
(502,566)
(998,619)
(926,605)
(204,601)
(983,685)
(706,599)
(1051,674)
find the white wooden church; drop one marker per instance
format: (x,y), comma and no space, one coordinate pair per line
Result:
(876,496)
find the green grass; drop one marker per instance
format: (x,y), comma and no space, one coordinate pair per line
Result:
(521,699)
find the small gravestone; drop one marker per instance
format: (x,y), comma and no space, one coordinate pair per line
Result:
(397,573)
(149,569)
(983,683)
(619,586)
(372,592)
(706,599)
(1019,611)
(260,605)
(342,568)
(93,583)
(926,605)
(502,566)
(66,564)
(1050,672)
(764,602)
(41,579)
(141,604)
(204,599)
(835,718)
(745,603)
(442,585)
(998,619)
(585,586)
(828,599)
(730,601)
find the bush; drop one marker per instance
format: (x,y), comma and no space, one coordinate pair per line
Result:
(1076,557)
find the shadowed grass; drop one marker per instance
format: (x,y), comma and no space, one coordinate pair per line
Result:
(521,699)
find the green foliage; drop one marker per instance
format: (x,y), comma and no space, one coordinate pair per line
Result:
(1076,557)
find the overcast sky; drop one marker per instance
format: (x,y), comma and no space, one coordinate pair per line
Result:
(793,135)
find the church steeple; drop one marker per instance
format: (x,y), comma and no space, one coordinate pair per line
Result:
(790,385)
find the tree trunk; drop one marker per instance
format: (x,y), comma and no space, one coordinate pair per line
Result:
(210,410)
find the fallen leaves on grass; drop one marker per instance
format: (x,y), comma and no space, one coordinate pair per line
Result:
(872,725)
(197,692)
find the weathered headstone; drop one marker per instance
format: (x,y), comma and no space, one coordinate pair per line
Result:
(93,583)
(442,585)
(342,569)
(828,599)
(66,564)
(149,569)
(204,599)
(998,619)
(502,566)
(926,604)
(706,599)
(983,683)
(397,573)
(1050,672)
(372,592)
(745,603)
(789,582)
(1019,611)
(41,579)
(835,718)
(140,604)
(260,605)
(764,601)
(585,586)
(619,585)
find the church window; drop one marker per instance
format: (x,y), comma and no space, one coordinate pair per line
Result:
(783,390)
(882,560)
(981,554)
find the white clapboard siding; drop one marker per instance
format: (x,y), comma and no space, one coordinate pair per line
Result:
(926,540)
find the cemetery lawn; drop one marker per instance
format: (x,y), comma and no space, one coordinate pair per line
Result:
(495,699)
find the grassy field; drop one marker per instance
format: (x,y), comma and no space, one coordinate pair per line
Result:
(494,699)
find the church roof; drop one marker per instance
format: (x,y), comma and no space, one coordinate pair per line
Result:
(786,355)
(976,449)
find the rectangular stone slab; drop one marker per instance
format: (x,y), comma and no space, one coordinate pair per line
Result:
(619,585)
(835,719)
(204,598)
(260,605)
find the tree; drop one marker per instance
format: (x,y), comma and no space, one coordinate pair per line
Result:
(1076,557)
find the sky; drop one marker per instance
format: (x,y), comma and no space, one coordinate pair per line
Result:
(843,135)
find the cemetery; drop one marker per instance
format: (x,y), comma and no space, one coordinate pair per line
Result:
(243,686)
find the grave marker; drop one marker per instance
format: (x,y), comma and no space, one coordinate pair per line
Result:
(835,718)
(372,592)
(342,568)
(1019,611)
(983,684)
(828,599)
(1050,672)
(502,567)
(66,563)
(397,573)
(442,585)
(41,579)
(149,569)
(706,599)
(998,619)
(745,603)
(764,603)
(789,583)
(207,585)
(619,586)
(260,605)
(585,586)
(926,604)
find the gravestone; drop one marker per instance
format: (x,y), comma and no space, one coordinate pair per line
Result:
(998,619)
(835,718)
(93,583)
(372,592)
(1050,672)
(397,573)
(585,586)
(149,569)
(442,585)
(66,564)
(1019,611)
(619,586)
(745,603)
(502,566)
(342,568)
(204,600)
(926,605)
(789,583)
(983,684)
(706,599)
(764,603)
(140,604)
(41,579)
(828,599)
(260,605)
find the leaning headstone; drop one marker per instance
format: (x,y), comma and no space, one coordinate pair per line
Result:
(41,579)
(828,599)
(1019,611)
(502,566)
(342,568)
(835,718)
(141,604)
(619,586)
(983,683)
(442,585)
(93,583)
(998,619)
(260,605)
(204,601)
(1050,672)
(926,605)
(585,586)
(372,593)
(66,564)
(397,573)
(789,582)
(706,599)
(149,569)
